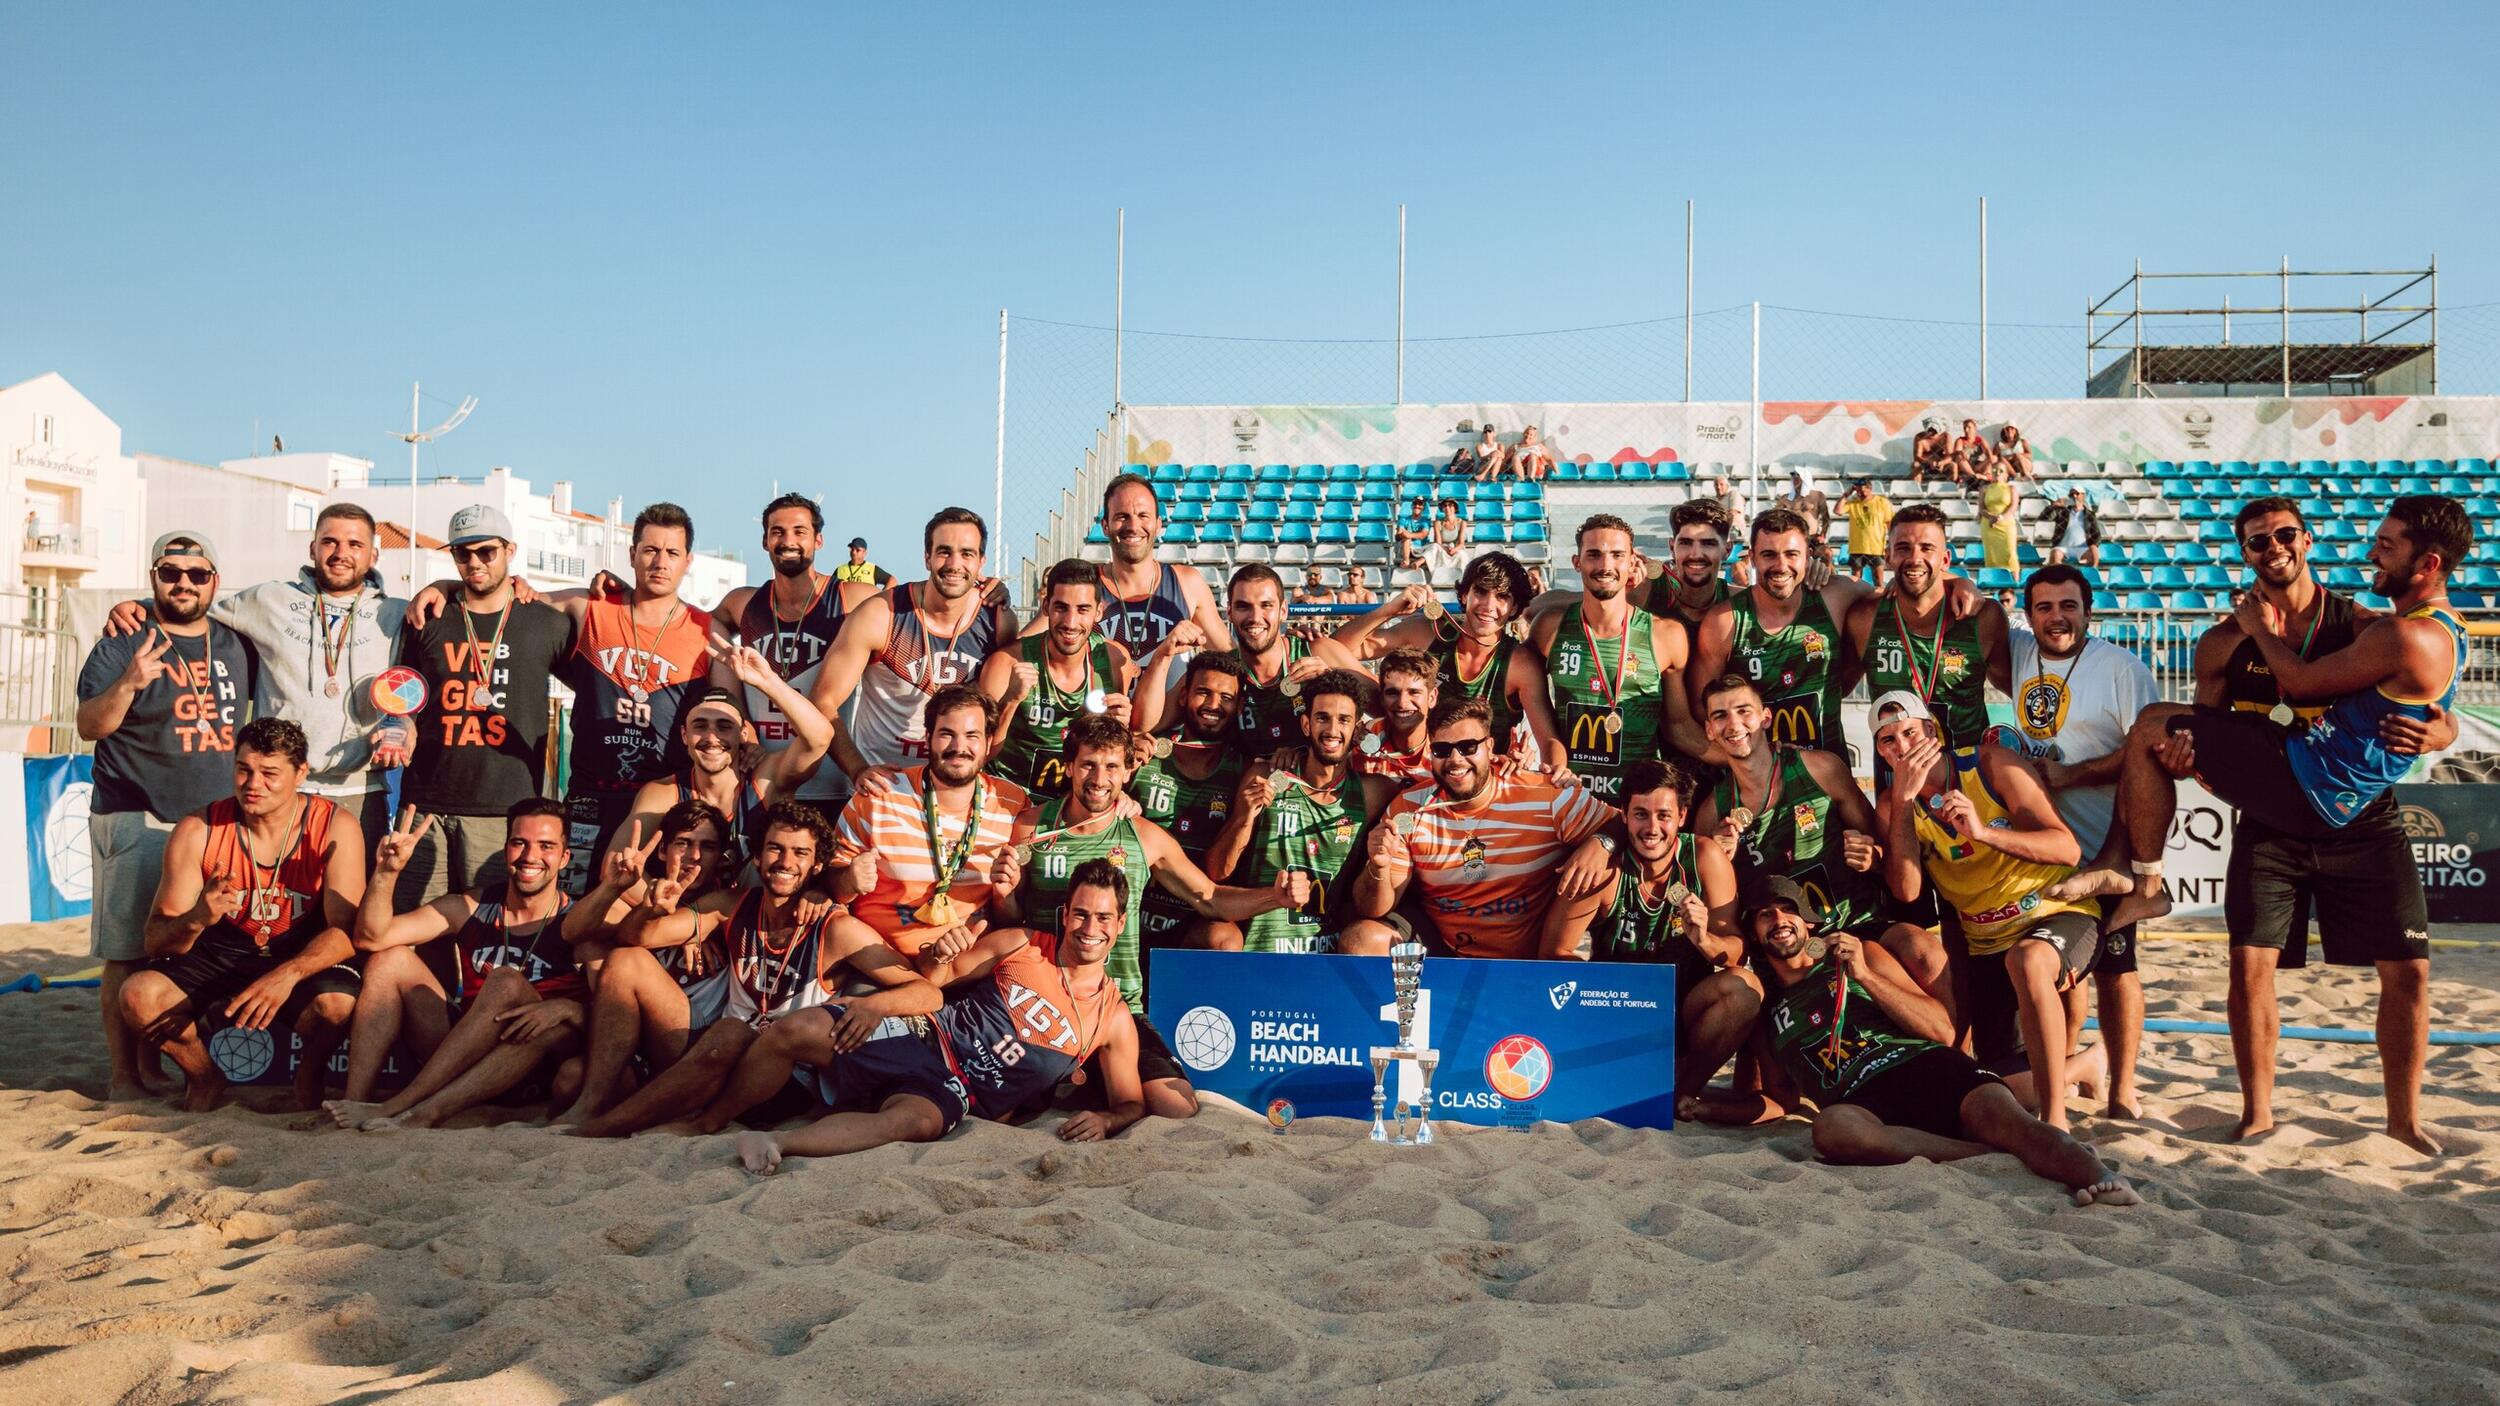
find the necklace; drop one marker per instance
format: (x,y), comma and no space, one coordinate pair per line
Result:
(651,650)
(2065,689)
(1610,689)
(2282,714)
(928,680)
(264,899)
(508,953)
(1076,1017)
(779,636)
(770,993)
(336,639)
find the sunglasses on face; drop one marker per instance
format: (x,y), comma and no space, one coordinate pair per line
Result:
(1465,747)
(484,552)
(2281,537)
(196,575)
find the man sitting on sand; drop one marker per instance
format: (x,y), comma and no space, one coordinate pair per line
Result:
(1000,1049)
(520,1001)
(252,912)
(779,963)
(1852,1032)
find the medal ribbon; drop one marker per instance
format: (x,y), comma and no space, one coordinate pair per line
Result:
(1924,687)
(1611,688)
(947,866)
(335,639)
(485,671)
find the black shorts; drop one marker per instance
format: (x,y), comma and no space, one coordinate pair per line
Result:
(2241,758)
(211,976)
(907,1061)
(2359,881)
(1924,1092)
(2117,950)
(1994,1014)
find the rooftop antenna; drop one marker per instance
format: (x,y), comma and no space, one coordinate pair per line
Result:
(414,437)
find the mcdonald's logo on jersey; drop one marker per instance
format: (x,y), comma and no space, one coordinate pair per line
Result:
(1795,722)
(1050,775)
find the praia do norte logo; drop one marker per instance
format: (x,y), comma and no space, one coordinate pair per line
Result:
(1722,433)
(2446,863)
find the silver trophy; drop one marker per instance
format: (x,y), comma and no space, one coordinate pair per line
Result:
(1406,972)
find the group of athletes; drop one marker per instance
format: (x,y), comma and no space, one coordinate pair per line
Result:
(883,857)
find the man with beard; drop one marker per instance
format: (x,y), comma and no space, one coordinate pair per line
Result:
(161,705)
(1273,665)
(725,768)
(900,649)
(793,621)
(1614,676)
(1042,682)
(1784,636)
(322,635)
(1303,814)
(2074,699)
(1185,783)
(916,849)
(520,992)
(1696,580)
(1915,638)
(2324,833)
(481,739)
(1038,1008)
(1672,900)
(1394,745)
(1056,838)
(1478,655)
(1849,1030)
(779,963)
(1142,599)
(251,920)
(1482,842)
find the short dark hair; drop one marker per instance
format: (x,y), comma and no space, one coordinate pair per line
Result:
(272,737)
(1728,683)
(946,517)
(1215,661)
(1500,570)
(681,819)
(1459,708)
(663,515)
(1351,684)
(1120,481)
(1774,521)
(1073,571)
(1093,732)
(1600,522)
(350,511)
(1704,512)
(2256,508)
(1651,773)
(1100,874)
(2435,524)
(1410,661)
(2059,574)
(815,515)
(799,815)
(528,806)
(1917,513)
(1253,571)
(959,695)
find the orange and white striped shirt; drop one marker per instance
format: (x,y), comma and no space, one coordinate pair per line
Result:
(895,825)
(1486,875)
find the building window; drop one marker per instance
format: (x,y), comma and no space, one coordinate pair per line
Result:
(299,516)
(43,434)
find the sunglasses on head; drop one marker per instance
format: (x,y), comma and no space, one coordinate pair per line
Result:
(2281,537)
(1465,747)
(196,575)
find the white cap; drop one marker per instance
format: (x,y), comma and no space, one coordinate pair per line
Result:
(1909,704)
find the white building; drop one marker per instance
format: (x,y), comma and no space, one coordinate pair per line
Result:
(76,507)
(259,511)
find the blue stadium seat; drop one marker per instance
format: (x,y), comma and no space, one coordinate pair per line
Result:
(2432,467)
(1527,532)
(1230,473)
(1675,471)
(2141,600)
(2465,600)
(2318,509)
(1294,534)
(2344,578)
(1310,473)
(1266,510)
(1567,472)
(1487,510)
(1217,533)
(1342,492)
(2204,510)
(1336,512)
(2395,468)
(2238,469)
(1345,473)
(1232,492)
(1163,473)
(2354,468)
(1370,532)
(1419,473)
(2315,468)
(1376,510)
(1305,492)
(1380,473)
(1492,490)
(2026,554)
(1197,492)
(2122,578)
(2273,468)
(1225,510)
(1634,472)
(1527,510)
(1273,473)
(1202,473)
(1336,534)
(2220,490)
(1166,492)
(2160,469)
(2210,577)
(2167,578)
(2414,483)
(2480,578)
(1180,533)
(2338,530)
(1257,534)
(1093,538)
(1994,578)
(2475,468)
(2196,468)
(2191,553)
(1268,492)
(2454,485)
(1526,491)
(1600,472)
(2190,600)
(1490,534)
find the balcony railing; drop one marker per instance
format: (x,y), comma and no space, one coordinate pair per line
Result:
(61,539)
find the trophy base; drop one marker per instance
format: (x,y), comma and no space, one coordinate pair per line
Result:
(1394,1132)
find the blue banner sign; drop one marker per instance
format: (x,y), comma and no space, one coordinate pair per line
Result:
(59,882)
(1520,1042)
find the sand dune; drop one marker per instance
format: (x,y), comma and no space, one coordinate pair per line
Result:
(162,1257)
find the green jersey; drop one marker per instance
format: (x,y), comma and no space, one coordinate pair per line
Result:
(1266,720)
(1946,664)
(1660,600)
(1608,705)
(1792,666)
(1796,835)
(1635,929)
(1192,812)
(1031,755)
(1802,1019)
(1491,683)
(1045,887)
(1317,832)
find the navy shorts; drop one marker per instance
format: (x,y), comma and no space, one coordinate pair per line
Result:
(213,975)
(902,1058)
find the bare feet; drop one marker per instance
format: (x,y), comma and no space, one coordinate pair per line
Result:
(350,1113)
(2137,907)
(385,1125)
(2091,883)
(2417,1138)
(2111,1190)
(2253,1125)
(759,1153)
(2123,1104)
(571,1118)
(203,1094)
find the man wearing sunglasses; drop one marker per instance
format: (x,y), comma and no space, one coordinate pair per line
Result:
(161,704)
(481,739)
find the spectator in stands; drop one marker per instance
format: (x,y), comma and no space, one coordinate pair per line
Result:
(1484,458)
(1730,501)
(1448,539)
(860,569)
(1971,455)
(1414,533)
(1929,453)
(1537,584)
(2074,530)
(1870,523)
(1356,590)
(2014,452)
(1314,588)
(1997,502)
(1533,459)
(2014,613)
(1813,505)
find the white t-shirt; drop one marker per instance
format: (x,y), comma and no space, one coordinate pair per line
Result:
(2075,710)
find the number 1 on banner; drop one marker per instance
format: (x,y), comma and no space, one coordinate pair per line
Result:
(1410,1087)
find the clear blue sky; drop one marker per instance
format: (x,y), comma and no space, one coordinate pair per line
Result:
(685,251)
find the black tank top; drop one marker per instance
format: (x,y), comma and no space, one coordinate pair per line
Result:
(2248,685)
(793,647)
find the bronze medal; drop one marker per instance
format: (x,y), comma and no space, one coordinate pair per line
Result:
(1163,746)
(939,912)
(1404,823)
(1741,817)
(1614,723)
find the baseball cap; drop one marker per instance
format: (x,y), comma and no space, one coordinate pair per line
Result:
(860,542)
(1779,888)
(479,522)
(183,544)
(714,693)
(1910,705)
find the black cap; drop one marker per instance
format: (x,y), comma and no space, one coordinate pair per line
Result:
(860,542)
(1762,892)
(731,698)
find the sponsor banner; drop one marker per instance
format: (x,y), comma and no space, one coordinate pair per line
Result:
(1520,1042)
(270,1058)
(2455,832)
(58,857)
(2198,856)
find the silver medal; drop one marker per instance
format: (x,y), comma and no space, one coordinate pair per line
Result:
(331,688)
(2281,715)
(1096,700)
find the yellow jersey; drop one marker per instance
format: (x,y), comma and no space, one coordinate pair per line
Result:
(1998,896)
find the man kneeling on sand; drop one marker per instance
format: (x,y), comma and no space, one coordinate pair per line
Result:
(1851,1031)
(520,993)
(1035,1007)
(780,963)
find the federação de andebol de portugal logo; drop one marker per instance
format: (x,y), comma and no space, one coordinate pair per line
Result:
(1560,993)
(1518,1067)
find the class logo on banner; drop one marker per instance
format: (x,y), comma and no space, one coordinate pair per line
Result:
(59,860)
(1520,1042)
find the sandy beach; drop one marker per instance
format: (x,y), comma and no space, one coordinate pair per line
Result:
(237,1256)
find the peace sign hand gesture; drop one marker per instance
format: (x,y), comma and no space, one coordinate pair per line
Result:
(400,845)
(666,891)
(147,663)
